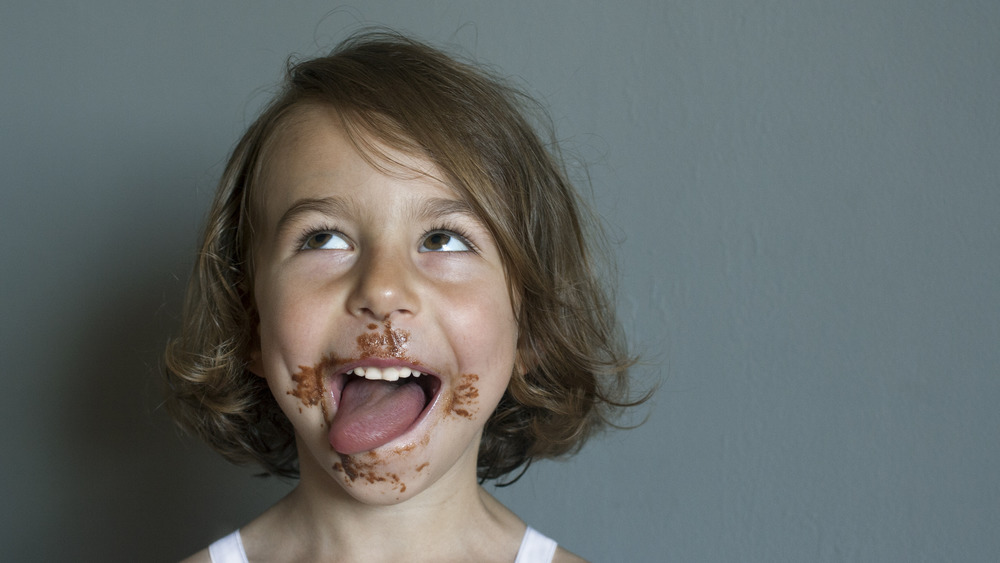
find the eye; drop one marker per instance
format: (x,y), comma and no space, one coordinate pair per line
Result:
(444,241)
(325,240)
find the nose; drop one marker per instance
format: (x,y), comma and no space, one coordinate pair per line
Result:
(384,286)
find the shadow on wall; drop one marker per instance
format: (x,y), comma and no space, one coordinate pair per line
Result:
(130,486)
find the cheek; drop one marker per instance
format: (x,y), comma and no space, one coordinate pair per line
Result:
(487,356)
(485,336)
(287,333)
(484,309)
(288,317)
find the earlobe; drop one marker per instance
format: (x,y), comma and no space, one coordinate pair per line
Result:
(254,362)
(523,363)
(525,357)
(519,368)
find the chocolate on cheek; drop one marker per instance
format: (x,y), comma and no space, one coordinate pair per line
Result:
(309,384)
(464,398)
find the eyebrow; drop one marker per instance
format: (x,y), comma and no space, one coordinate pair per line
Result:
(329,206)
(438,208)
(431,209)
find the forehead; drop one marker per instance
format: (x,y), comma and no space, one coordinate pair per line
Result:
(311,154)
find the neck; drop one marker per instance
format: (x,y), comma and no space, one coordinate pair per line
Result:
(323,519)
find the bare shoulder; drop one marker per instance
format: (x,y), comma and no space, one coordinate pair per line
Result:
(200,557)
(563,556)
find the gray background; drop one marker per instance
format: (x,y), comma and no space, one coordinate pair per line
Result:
(806,200)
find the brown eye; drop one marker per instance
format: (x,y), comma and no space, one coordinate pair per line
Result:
(442,241)
(325,240)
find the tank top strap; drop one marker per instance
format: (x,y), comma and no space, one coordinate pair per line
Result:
(535,548)
(228,549)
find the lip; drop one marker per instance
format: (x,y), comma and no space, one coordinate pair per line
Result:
(429,381)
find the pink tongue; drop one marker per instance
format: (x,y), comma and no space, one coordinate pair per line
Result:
(372,413)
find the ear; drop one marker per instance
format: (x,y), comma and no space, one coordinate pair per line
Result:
(525,360)
(255,360)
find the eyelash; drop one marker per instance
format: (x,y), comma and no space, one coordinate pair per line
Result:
(453,230)
(311,232)
(447,228)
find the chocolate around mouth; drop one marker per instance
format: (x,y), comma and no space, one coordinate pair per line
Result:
(323,383)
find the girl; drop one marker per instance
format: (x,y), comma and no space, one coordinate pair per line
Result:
(393,297)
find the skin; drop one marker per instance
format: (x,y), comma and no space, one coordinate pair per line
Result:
(324,277)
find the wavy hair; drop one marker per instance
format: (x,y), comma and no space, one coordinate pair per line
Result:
(393,91)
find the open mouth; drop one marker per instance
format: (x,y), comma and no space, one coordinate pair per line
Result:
(377,404)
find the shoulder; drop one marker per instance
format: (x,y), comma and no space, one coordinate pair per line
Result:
(200,557)
(563,556)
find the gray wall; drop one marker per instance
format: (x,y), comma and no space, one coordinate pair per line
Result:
(807,200)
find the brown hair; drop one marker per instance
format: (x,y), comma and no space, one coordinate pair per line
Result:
(397,92)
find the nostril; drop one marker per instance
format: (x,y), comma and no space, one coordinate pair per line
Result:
(383,287)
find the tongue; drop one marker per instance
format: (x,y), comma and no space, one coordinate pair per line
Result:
(372,413)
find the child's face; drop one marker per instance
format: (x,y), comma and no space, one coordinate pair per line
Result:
(358,269)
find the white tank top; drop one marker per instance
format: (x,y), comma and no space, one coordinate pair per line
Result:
(535,548)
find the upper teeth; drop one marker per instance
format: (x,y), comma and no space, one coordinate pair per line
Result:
(386,374)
